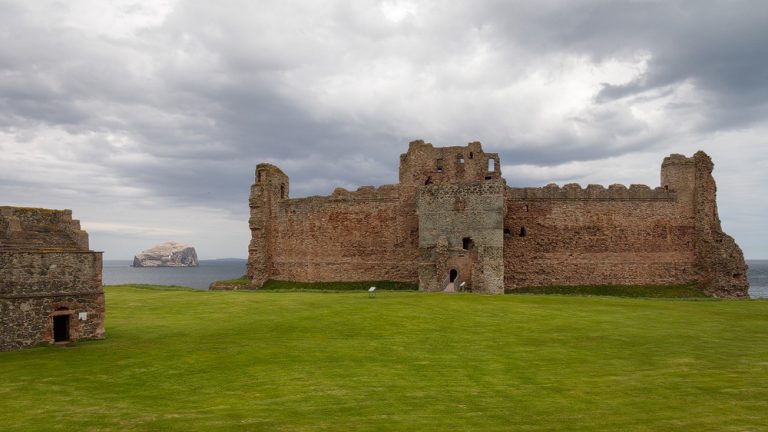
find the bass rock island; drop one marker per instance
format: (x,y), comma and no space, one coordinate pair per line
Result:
(168,254)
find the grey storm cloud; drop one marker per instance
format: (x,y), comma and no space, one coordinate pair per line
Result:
(180,109)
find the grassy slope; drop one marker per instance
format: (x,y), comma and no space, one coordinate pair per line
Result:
(194,360)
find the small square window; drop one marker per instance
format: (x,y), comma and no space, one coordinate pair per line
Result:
(467,243)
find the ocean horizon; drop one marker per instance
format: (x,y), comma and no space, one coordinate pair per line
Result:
(117,272)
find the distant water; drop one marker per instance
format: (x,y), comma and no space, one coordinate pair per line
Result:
(758,278)
(120,272)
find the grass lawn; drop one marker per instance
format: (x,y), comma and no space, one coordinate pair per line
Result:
(665,291)
(196,360)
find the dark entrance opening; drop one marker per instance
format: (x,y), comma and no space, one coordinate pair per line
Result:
(60,328)
(452,275)
(467,243)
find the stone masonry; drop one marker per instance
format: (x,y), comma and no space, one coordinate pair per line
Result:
(50,282)
(452,223)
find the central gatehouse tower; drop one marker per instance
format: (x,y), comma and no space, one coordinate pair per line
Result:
(459,195)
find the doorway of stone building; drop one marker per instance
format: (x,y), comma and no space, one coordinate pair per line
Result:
(453,275)
(61,328)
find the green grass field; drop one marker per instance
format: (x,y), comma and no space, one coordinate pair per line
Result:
(204,361)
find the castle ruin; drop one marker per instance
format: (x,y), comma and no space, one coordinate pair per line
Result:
(452,223)
(50,282)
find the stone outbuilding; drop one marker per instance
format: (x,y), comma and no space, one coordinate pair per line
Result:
(50,281)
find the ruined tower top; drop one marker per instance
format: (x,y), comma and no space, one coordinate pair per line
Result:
(425,164)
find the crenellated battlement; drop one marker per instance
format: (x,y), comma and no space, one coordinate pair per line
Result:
(593,192)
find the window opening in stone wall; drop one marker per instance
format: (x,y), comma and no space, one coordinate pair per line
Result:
(282,191)
(467,243)
(61,328)
(428,181)
(525,208)
(461,159)
(490,165)
(507,232)
(523,232)
(453,275)
(470,155)
(260,176)
(439,165)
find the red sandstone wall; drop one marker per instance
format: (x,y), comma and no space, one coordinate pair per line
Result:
(720,261)
(574,236)
(348,236)
(598,236)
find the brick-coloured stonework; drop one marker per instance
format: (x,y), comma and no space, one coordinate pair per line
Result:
(47,275)
(452,223)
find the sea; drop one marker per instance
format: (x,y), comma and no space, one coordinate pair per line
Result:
(758,278)
(117,272)
(120,272)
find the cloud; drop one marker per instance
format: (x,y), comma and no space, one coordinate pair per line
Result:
(167,106)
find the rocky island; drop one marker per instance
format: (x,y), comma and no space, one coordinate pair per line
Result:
(168,254)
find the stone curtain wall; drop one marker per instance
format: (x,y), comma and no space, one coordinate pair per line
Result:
(520,237)
(626,236)
(46,269)
(593,240)
(348,236)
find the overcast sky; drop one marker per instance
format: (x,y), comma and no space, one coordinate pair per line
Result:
(147,118)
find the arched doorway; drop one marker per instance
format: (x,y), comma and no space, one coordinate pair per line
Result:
(449,284)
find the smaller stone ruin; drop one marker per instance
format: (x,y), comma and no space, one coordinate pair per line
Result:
(50,281)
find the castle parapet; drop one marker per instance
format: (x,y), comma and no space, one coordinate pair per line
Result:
(593,192)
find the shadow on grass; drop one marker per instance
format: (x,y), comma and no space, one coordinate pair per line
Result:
(153,287)
(275,285)
(645,291)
